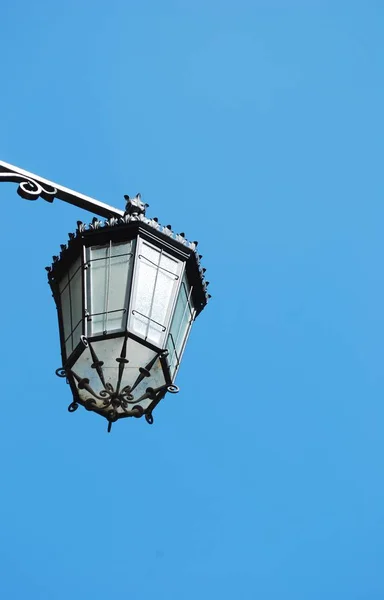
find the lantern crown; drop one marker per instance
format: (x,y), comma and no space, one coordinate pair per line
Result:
(135,206)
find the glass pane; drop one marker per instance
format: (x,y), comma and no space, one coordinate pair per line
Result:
(157,277)
(118,278)
(182,319)
(66,316)
(74,268)
(164,292)
(75,287)
(110,270)
(98,280)
(169,264)
(63,283)
(70,288)
(147,266)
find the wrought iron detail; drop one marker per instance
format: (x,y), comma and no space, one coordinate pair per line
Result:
(32,187)
(116,401)
(173,389)
(29,189)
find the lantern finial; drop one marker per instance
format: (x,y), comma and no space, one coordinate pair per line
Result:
(135,206)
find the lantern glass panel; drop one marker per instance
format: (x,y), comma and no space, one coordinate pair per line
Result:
(156,281)
(71,301)
(109,280)
(181,324)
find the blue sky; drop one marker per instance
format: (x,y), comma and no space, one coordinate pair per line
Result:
(257,128)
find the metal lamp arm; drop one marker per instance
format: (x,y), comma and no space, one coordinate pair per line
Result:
(31,187)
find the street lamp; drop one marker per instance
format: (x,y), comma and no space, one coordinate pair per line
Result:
(127,291)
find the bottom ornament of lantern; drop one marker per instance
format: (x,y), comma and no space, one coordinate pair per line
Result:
(104,380)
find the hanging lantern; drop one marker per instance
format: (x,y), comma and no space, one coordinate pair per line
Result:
(127,291)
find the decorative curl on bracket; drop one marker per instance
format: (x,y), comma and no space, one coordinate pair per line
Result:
(173,389)
(60,372)
(29,189)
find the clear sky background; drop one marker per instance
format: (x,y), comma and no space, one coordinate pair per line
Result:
(257,128)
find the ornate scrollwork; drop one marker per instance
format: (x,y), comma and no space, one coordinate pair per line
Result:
(114,401)
(173,389)
(29,189)
(32,186)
